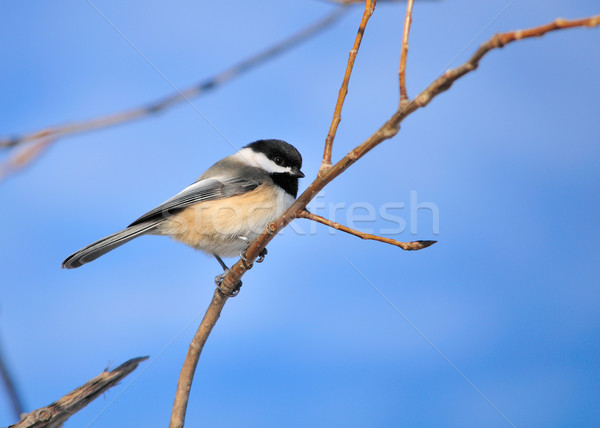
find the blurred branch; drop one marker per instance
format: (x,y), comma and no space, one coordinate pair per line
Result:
(48,135)
(404,53)
(337,114)
(190,92)
(24,156)
(55,414)
(408,246)
(11,388)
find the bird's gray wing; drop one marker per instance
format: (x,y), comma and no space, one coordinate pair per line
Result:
(203,190)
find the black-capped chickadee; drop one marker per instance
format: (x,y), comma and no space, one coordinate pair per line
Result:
(229,205)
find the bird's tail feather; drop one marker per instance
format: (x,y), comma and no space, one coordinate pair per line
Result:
(104,245)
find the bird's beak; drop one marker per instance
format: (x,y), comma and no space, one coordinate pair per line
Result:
(295,172)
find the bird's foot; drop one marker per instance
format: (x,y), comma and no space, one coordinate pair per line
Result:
(219,281)
(261,255)
(259,259)
(247,262)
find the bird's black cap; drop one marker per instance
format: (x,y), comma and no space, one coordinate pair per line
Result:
(273,149)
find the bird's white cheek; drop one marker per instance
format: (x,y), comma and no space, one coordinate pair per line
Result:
(259,160)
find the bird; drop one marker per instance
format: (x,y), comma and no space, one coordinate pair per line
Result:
(224,210)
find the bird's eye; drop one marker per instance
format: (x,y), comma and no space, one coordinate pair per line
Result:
(278,161)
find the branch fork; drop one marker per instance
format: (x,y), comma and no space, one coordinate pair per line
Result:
(337,114)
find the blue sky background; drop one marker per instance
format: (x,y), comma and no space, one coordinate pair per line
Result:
(510,156)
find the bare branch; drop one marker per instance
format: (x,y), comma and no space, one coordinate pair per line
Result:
(403,54)
(337,114)
(24,156)
(184,384)
(185,94)
(389,129)
(55,414)
(408,246)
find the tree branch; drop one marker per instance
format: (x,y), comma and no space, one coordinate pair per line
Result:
(403,54)
(388,130)
(408,246)
(24,156)
(185,94)
(337,114)
(55,414)
(184,384)
(500,40)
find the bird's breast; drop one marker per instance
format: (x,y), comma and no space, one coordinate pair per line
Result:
(216,226)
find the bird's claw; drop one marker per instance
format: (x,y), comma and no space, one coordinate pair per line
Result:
(242,253)
(219,281)
(259,259)
(261,255)
(247,262)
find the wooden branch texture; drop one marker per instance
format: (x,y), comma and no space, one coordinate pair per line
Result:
(55,414)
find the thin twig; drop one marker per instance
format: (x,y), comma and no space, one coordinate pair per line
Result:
(408,246)
(337,114)
(389,129)
(185,94)
(55,414)
(403,54)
